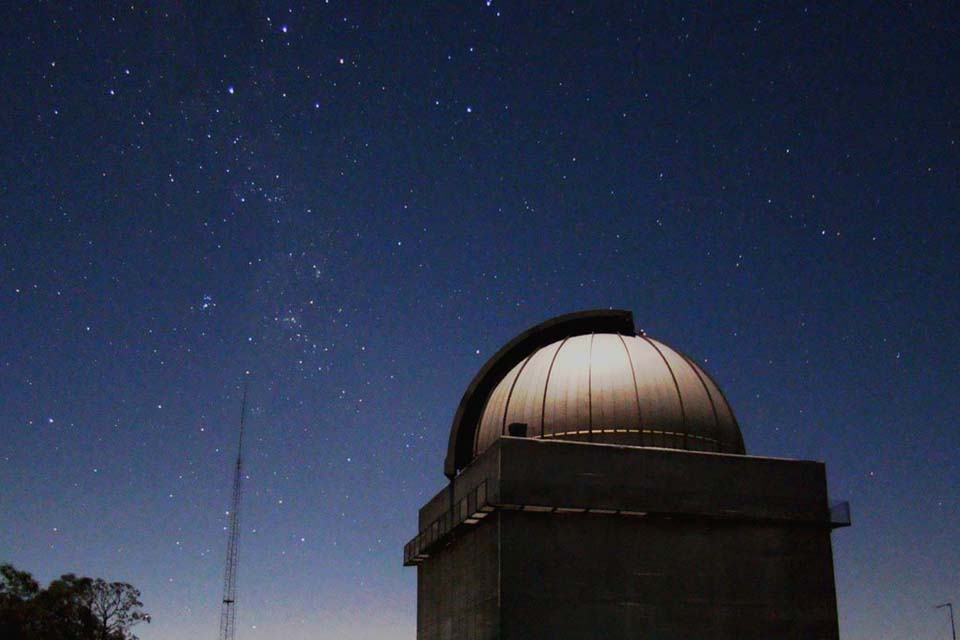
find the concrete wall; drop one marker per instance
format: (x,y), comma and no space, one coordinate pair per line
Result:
(588,576)
(733,547)
(553,473)
(458,588)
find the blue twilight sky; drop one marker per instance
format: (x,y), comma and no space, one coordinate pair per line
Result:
(360,203)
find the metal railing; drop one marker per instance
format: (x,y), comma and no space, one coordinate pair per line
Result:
(468,510)
(840,514)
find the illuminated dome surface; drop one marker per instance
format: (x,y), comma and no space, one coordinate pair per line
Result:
(589,377)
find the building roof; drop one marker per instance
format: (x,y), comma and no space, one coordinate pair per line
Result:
(589,376)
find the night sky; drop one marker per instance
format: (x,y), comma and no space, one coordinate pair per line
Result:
(359,204)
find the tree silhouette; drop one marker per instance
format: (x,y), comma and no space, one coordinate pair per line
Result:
(115,607)
(17,609)
(69,608)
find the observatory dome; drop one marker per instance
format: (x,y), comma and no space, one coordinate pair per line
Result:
(590,377)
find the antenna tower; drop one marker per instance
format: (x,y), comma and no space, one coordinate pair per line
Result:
(228,611)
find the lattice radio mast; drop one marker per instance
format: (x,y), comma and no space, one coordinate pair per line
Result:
(228,611)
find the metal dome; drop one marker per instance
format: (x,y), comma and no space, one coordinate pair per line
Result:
(589,377)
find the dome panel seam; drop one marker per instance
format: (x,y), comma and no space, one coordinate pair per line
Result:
(713,407)
(633,373)
(546,385)
(683,413)
(590,387)
(513,385)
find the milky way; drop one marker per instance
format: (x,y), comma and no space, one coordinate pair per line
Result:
(359,204)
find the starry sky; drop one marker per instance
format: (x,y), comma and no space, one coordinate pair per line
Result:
(359,203)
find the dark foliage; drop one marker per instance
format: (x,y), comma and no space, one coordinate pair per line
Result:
(69,608)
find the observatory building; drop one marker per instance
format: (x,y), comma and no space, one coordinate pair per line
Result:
(598,487)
